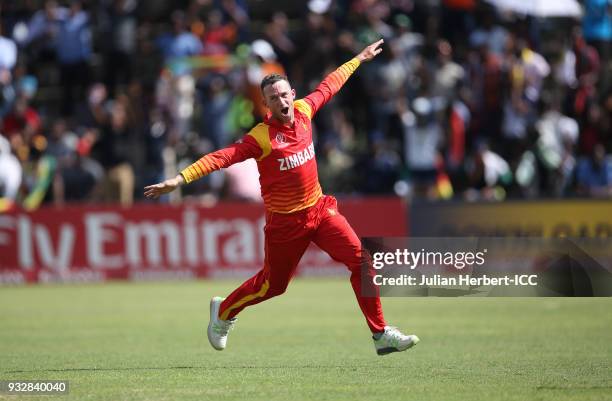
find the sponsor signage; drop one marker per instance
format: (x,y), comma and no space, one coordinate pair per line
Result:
(547,219)
(151,242)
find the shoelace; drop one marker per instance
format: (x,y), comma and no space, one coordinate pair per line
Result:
(395,336)
(393,332)
(224,326)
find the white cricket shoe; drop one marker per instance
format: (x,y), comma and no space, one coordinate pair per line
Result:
(217,328)
(392,340)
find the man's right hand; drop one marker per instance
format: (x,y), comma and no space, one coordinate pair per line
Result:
(154,191)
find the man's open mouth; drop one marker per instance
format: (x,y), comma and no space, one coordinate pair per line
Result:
(285,111)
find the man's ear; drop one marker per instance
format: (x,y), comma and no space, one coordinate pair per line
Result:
(293,93)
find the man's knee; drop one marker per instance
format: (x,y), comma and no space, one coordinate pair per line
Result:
(353,257)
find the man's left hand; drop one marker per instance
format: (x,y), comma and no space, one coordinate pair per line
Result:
(371,51)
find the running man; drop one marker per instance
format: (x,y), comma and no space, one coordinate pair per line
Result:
(297,212)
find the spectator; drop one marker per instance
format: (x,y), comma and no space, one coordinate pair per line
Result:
(337,148)
(8,52)
(408,42)
(113,150)
(591,129)
(489,175)
(74,54)
(156,139)
(38,172)
(154,111)
(181,42)
(558,135)
(587,60)
(597,25)
(594,174)
(456,142)
(457,19)
(526,70)
(490,34)
(121,48)
(263,62)
(277,33)
(44,25)
(218,36)
(448,74)
(216,102)
(236,12)
(422,140)
(383,165)
(42,39)
(10,175)
(7,93)
(486,79)
(76,174)
(23,120)
(535,68)
(94,114)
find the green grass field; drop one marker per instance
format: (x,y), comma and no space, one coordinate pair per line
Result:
(147,342)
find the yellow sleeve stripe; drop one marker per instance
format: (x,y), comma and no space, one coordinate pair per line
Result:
(349,67)
(261,135)
(190,174)
(262,291)
(337,78)
(195,171)
(303,107)
(198,169)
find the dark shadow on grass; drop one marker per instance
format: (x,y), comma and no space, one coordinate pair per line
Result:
(188,368)
(594,387)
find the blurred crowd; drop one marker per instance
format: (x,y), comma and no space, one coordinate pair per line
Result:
(100,98)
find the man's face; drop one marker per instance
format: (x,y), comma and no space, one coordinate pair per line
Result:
(279,97)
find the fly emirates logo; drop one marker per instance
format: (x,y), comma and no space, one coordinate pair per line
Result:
(297,159)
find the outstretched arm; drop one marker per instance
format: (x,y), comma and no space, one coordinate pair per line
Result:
(222,158)
(334,81)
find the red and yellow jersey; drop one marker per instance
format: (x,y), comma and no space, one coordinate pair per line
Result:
(285,155)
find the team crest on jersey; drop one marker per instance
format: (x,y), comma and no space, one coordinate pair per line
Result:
(280,138)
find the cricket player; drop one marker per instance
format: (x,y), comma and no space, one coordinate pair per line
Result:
(297,211)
